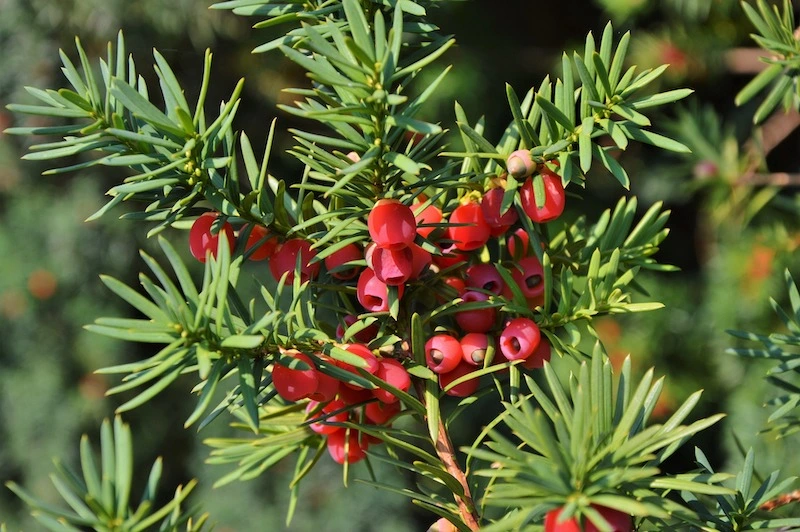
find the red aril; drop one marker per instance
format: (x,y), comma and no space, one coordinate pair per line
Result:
(285,260)
(336,261)
(474,347)
(485,277)
(392,372)
(372,293)
(346,446)
(442,353)
(391,224)
(476,320)
(491,204)
(380,413)
(203,239)
(260,241)
(295,384)
(322,426)
(475,233)
(519,339)
(554,198)
(466,388)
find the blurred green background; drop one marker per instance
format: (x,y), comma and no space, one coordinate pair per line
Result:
(731,246)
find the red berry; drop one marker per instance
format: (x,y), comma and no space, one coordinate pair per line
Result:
(477,320)
(391,224)
(466,388)
(486,277)
(442,353)
(554,198)
(429,215)
(380,413)
(473,348)
(285,260)
(420,260)
(620,522)
(393,372)
(450,255)
(471,236)
(262,251)
(322,426)
(372,293)
(528,274)
(365,335)
(520,164)
(295,384)
(491,204)
(518,238)
(203,239)
(352,396)
(551,523)
(456,284)
(366,355)
(346,446)
(327,388)
(539,356)
(335,262)
(519,339)
(392,266)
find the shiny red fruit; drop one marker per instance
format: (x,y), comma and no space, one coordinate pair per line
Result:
(554,198)
(486,277)
(346,446)
(519,339)
(539,356)
(352,396)
(327,388)
(392,372)
(474,347)
(335,262)
(429,215)
(391,224)
(285,260)
(491,205)
(322,426)
(420,260)
(372,293)
(518,240)
(295,384)
(392,266)
(528,274)
(365,335)
(466,388)
(366,354)
(450,256)
(475,233)
(442,353)
(267,246)
(476,320)
(380,413)
(203,239)
(620,522)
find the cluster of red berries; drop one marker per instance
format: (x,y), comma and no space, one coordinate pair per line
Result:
(334,401)
(411,245)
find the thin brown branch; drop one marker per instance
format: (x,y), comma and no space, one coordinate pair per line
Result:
(446,453)
(781,500)
(772,133)
(775,179)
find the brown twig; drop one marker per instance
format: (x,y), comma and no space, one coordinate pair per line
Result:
(446,453)
(781,500)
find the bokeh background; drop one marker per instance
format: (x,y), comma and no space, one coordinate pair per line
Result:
(731,239)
